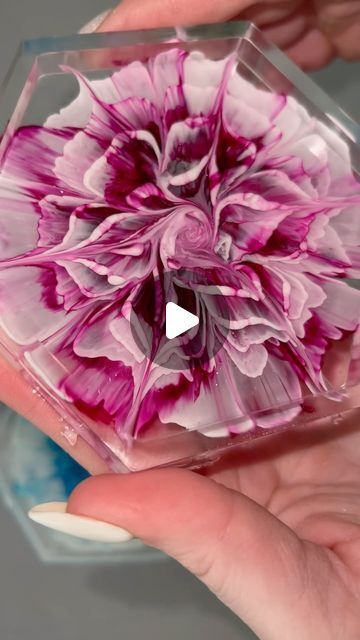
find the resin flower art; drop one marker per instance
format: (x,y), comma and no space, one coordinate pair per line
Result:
(172,167)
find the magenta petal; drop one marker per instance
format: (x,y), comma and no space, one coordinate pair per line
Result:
(100,383)
(148,197)
(175,108)
(136,113)
(250,220)
(187,150)
(276,186)
(43,146)
(128,163)
(33,289)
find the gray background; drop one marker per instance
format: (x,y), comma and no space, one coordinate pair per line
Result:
(85,603)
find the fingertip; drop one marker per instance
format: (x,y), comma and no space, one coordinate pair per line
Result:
(148,14)
(156,505)
(95,23)
(108,494)
(313,51)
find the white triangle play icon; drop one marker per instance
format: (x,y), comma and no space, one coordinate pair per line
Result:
(178,320)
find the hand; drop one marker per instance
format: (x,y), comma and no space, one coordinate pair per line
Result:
(274,532)
(311,33)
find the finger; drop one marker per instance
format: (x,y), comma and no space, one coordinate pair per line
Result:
(287,32)
(137,14)
(347,43)
(270,13)
(340,22)
(95,23)
(282,23)
(248,558)
(312,51)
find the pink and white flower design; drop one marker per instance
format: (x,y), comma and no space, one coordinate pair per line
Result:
(179,163)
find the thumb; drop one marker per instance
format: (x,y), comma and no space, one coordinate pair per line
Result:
(146,14)
(248,558)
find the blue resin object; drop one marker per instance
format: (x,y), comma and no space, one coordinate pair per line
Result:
(33,469)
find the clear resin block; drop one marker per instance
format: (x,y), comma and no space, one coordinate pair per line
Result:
(179,241)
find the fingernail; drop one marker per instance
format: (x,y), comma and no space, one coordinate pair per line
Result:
(96,22)
(54,516)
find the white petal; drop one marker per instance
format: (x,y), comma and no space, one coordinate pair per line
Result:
(265,103)
(134,80)
(243,120)
(251,362)
(202,81)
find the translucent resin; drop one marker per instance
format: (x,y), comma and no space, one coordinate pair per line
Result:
(197,167)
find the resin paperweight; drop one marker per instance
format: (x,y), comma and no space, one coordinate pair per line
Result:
(179,241)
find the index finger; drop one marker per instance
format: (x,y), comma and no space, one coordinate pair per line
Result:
(134,14)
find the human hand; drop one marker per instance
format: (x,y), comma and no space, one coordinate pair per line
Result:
(311,33)
(274,532)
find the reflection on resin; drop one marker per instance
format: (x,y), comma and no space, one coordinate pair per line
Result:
(178,164)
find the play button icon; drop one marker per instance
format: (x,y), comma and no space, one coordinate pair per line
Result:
(178,320)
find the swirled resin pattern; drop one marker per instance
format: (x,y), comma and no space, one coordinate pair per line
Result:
(179,163)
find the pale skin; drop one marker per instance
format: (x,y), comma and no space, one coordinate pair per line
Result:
(310,32)
(273,531)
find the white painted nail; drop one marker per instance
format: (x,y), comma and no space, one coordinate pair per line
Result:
(54,516)
(95,23)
